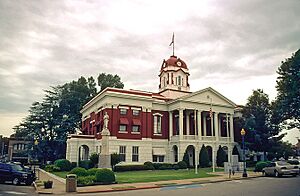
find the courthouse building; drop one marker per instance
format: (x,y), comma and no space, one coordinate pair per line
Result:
(157,127)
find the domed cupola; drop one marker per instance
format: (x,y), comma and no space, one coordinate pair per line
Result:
(174,77)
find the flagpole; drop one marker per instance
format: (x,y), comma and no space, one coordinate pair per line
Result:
(173,44)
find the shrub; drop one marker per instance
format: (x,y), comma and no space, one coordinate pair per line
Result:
(79,171)
(63,164)
(149,165)
(87,164)
(163,166)
(260,165)
(251,163)
(86,180)
(204,160)
(114,160)
(175,166)
(73,165)
(92,171)
(120,168)
(52,168)
(94,159)
(186,158)
(182,165)
(105,176)
(221,157)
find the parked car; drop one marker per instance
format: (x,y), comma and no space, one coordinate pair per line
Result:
(294,162)
(279,168)
(16,174)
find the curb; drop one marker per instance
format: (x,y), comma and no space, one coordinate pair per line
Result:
(157,186)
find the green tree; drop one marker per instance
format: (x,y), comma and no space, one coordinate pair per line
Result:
(257,116)
(51,120)
(114,160)
(287,103)
(204,160)
(94,158)
(221,157)
(109,80)
(186,158)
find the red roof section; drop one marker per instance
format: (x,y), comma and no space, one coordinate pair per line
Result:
(173,61)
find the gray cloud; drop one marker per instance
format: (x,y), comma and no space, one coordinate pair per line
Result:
(46,43)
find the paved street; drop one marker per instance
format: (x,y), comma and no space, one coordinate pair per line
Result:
(288,186)
(8,189)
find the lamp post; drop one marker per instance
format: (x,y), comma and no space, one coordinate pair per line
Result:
(243,133)
(36,142)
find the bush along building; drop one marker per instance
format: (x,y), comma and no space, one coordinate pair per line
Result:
(157,127)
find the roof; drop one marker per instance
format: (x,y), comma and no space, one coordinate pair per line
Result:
(173,61)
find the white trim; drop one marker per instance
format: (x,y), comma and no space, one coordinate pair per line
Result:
(157,114)
(136,108)
(123,107)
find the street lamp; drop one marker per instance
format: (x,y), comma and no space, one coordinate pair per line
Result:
(243,133)
(36,142)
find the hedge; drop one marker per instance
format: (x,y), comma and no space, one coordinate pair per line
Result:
(63,164)
(149,165)
(182,165)
(92,171)
(105,176)
(52,168)
(86,180)
(121,168)
(79,171)
(87,164)
(260,165)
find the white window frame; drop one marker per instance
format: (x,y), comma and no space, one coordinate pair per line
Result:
(157,130)
(136,131)
(135,154)
(122,151)
(121,130)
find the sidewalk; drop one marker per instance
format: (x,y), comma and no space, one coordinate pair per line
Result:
(59,183)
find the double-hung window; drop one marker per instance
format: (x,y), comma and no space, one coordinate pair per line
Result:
(157,123)
(122,153)
(135,154)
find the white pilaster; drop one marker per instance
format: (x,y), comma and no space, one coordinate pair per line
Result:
(227,125)
(216,123)
(170,125)
(180,123)
(213,159)
(199,124)
(231,128)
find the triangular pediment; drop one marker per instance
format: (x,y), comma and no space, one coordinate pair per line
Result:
(208,95)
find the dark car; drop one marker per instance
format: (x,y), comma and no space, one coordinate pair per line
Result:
(16,174)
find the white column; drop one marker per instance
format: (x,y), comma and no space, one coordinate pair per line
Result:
(204,126)
(170,125)
(196,159)
(231,128)
(180,123)
(213,159)
(187,121)
(212,125)
(229,155)
(217,133)
(227,125)
(199,124)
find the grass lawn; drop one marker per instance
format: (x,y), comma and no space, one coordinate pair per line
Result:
(160,175)
(156,175)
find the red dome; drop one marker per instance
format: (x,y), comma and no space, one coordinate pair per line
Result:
(173,61)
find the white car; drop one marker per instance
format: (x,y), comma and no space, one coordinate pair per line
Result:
(279,168)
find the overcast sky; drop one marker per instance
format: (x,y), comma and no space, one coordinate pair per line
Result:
(232,46)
